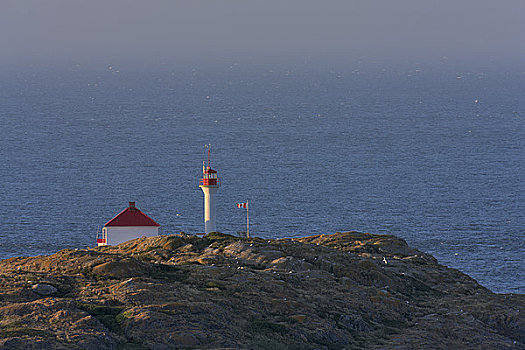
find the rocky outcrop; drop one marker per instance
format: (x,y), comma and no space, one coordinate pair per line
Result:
(343,291)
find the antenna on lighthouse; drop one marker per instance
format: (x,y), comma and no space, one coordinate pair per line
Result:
(208,146)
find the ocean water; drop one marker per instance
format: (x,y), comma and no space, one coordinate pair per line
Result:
(434,155)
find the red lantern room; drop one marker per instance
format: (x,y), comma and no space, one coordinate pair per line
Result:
(209,176)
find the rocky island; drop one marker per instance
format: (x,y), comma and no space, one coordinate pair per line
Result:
(342,291)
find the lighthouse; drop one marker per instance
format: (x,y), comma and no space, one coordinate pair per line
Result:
(209,186)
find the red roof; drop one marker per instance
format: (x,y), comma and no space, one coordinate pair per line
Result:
(131,216)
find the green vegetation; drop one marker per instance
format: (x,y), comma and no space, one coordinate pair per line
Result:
(219,240)
(107,315)
(262,326)
(121,317)
(219,236)
(18,329)
(112,317)
(213,284)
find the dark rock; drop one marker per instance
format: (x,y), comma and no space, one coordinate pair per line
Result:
(346,290)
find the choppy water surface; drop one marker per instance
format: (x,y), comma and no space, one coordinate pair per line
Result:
(435,156)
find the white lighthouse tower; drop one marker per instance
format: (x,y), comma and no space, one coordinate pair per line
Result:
(209,185)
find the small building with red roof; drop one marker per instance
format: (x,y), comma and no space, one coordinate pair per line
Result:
(129,224)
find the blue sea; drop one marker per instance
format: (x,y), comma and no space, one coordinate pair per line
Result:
(432,153)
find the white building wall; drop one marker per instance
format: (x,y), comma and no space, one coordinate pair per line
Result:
(209,208)
(119,234)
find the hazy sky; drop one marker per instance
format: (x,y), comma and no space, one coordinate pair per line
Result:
(51,30)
